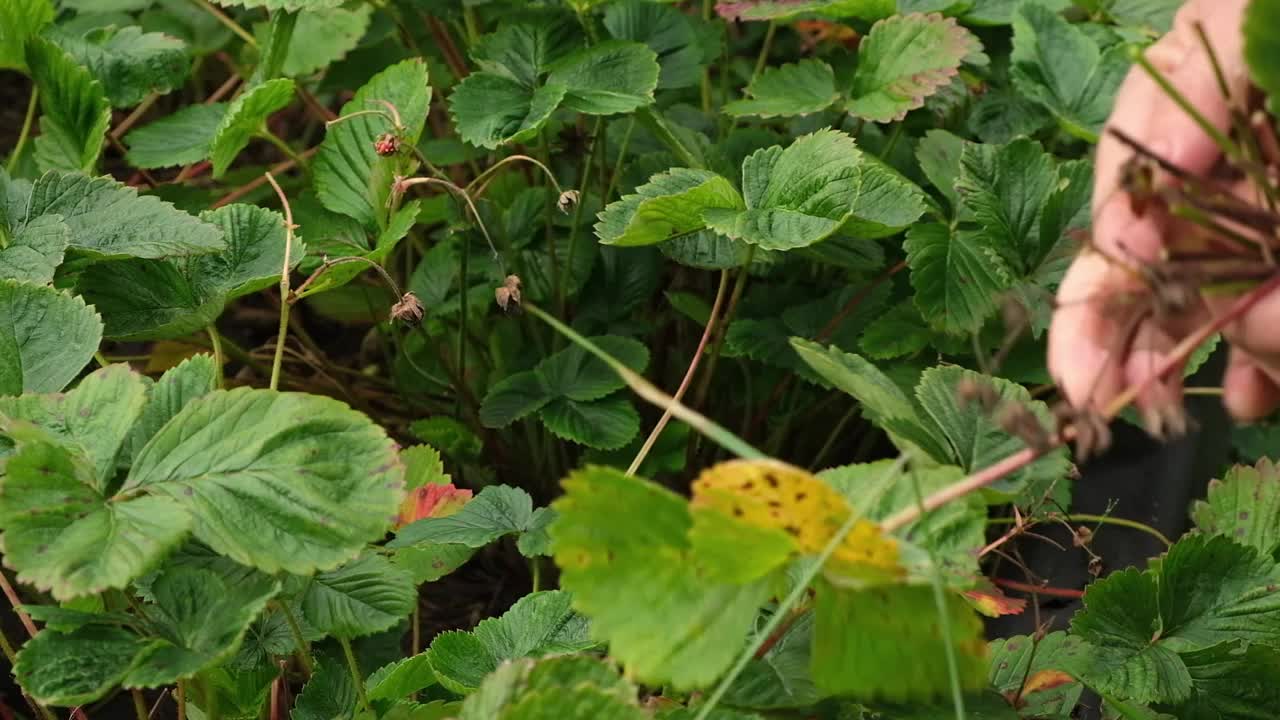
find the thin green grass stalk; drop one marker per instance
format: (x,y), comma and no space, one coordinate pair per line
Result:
(657,125)
(26,130)
(781,613)
(215,341)
(230,24)
(650,393)
(940,601)
(1100,520)
(356,677)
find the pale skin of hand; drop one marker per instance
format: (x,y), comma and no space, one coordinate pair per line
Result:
(1085,334)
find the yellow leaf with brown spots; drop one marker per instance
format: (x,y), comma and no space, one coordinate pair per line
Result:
(767,494)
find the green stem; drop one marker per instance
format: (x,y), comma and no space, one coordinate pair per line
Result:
(583,180)
(650,393)
(782,613)
(181,699)
(1101,520)
(765,49)
(216,341)
(836,432)
(657,125)
(299,642)
(463,291)
(227,21)
(944,618)
(102,359)
(26,130)
(139,704)
(535,573)
(739,285)
(471,23)
(557,288)
(284,148)
(285,306)
(617,165)
(356,677)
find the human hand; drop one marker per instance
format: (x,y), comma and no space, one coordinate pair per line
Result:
(1095,352)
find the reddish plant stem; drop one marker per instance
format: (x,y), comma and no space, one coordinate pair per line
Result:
(1038,589)
(452,57)
(15,602)
(688,375)
(258,182)
(1026,456)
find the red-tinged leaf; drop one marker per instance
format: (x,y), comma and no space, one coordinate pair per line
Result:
(1045,680)
(432,501)
(992,602)
(904,60)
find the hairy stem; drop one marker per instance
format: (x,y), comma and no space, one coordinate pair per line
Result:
(284,284)
(15,603)
(688,375)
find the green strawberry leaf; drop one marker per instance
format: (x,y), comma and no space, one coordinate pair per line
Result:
(401,678)
(246,118)
(956,276)
(667,31)
(512,398)
(784,9)
(78,667)
(780,679)
(495,511)
(977,440)
(492,110)
(94,418)
(1006,188)
(611,77)
(905,59)
(47,338)
(35,250)
(130,64)
(75,111)
(193,378)
(1244,506)
(572,687)
(363,597)
(867,644)
(323,37)
(110,220)
(1260,46)
(801,88)
(670,205)
(538,624)
(256,241)
(149,299)
(202,614)
(575,374)
(19,21)
(623,549)
(1017,660)
(796,196)
(605,424)
(182,138)
(901,331)
(1044,43)
(1139,625)
(350,177)
(397,229)
(276,481)
(1233,679)
(64,535)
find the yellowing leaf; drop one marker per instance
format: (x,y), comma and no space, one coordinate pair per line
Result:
(773,495)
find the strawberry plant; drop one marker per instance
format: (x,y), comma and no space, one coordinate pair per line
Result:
(598,359)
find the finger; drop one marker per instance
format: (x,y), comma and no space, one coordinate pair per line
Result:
(1160,400)
(1248,392)
(1083,355)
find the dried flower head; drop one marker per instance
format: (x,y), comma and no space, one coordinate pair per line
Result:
(409,310)
(387,144)
(567,200)
(508,294)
